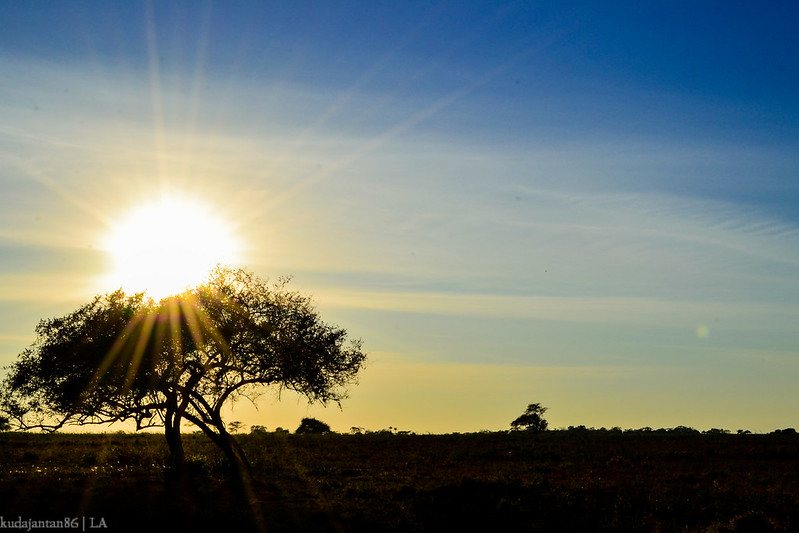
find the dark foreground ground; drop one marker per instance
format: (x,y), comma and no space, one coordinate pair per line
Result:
(557,481)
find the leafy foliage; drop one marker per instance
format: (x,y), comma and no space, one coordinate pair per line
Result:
(312,425)
(532,419)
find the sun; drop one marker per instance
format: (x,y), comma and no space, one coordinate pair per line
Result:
(165,246)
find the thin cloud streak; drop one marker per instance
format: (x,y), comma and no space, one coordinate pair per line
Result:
(618,311)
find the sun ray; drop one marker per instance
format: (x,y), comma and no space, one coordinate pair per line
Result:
(121,343)
(142,344)
(192,323)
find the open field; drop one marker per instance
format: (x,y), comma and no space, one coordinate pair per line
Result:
(556,481)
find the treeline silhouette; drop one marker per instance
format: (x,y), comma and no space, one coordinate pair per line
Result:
(311,425)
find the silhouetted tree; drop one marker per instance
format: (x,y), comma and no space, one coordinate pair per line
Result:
(684,430)
(531,420)
(4,423)
(124,357)
(312,425)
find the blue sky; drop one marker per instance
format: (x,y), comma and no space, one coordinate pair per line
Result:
(589,205)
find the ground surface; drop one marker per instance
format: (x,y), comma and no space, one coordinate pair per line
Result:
(556,481)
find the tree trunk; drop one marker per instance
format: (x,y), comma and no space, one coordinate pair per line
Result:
(174,441)
(239,465)
(178,478)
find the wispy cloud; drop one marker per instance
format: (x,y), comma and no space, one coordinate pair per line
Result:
(570,218)
(608,310)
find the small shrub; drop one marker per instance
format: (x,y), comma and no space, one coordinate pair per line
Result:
(312,425)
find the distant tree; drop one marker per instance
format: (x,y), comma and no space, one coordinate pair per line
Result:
(128,358)
(235,426)
(312,425)
(532,419)
(4,423)
(684,430)
(257,429)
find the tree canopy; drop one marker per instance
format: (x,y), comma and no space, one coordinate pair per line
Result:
(125,357)
(532,419)
(312,425)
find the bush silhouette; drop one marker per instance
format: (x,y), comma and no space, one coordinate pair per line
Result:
(312,425)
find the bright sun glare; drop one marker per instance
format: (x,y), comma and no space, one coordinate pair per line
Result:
(168,245)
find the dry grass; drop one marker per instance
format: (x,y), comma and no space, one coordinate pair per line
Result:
(557,481)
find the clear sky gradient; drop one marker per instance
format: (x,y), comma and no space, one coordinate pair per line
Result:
(591,205)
